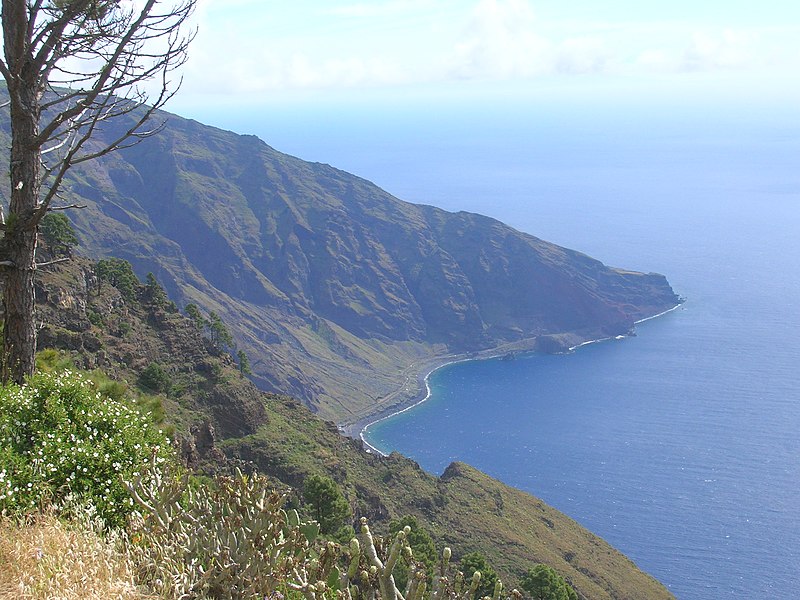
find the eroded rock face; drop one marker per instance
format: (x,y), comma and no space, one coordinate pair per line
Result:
(98,328)
(200,446)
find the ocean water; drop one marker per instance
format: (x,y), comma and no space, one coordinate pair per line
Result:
(679,446)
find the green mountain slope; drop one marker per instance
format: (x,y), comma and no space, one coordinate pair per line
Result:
(222,419)
(330,284)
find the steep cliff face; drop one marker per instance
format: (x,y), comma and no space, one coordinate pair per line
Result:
(331,284)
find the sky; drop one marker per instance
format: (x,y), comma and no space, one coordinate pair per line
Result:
(264,53)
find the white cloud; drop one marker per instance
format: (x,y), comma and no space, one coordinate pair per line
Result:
(302,72)
(727,50)
(500,42)
(379,9)
(246,47)
(504,40)
(656,61)
(751,50)
(252,47)
(582,55)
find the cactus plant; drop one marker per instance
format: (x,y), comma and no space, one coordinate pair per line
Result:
(235,540)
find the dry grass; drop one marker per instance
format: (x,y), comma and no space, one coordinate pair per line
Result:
(47,559)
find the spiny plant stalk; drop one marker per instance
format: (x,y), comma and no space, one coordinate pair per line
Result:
(234,540)
(417,585)
(476,581)
(440,582)
(387,587)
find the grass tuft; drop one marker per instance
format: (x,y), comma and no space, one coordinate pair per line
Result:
(43,557)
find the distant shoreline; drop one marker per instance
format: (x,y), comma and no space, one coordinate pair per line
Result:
(427,368)
(358,429)
(424,382)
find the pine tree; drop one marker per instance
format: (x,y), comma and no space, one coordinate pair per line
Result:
(325,503)
(543,583)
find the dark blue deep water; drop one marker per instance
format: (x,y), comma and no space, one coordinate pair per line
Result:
(680,446)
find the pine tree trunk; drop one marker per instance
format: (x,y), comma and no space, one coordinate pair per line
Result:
(19,332)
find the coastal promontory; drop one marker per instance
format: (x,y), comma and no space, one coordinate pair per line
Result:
(331,285)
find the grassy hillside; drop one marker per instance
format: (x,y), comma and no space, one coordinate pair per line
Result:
(464,508)
(222,419)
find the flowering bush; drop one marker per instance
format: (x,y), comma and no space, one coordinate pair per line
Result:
(60,437)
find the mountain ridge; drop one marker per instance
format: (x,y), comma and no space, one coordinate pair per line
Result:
(330,284)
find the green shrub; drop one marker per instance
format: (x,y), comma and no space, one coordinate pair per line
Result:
(244,363)
(155,379)
(110,388)
(475,561)
(51,359)
(220,335)
(180,385)
(217,374)
(58,233)
(153,407)
(325,503)
(60,437)
(124,328)
(543,583)
(195,316)
(154,293)
(95,318)
(119,273)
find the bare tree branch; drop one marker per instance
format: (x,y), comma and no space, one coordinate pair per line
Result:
(68,207)
(71,66)
(107,83)
(55,261)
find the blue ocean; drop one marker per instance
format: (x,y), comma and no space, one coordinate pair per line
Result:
(681,445)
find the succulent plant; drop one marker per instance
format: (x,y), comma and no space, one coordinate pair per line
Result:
(234,540)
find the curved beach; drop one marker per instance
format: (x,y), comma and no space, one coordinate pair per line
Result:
(419,375)
(424,395)
(426,368)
